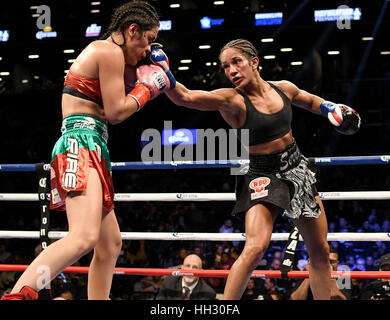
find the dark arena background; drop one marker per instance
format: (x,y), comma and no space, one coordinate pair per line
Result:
(345,61)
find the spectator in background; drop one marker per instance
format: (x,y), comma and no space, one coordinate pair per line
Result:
(350,261)
(198,251)
(227,227)
(380,248)
(360,265)
(251,292)
(187,287)
(366,226)
(343,225)
(357,286)
(58,286)
(179,258)
(218,254)
(370,264)
(217,283)
(234,253)
(275,264)
(302,289)
(65,295)
(278,254)
(145,289)
(379,289)
(273,292)
(385,225)
(226,263)
(301,265)
(331,227)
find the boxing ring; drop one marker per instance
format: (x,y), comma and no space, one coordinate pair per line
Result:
(45,234)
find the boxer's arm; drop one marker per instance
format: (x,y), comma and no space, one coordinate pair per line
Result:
(299,97)
(345,119)
(217,100)
(195,99)
(117,106)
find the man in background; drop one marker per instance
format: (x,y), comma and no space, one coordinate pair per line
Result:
(186,287)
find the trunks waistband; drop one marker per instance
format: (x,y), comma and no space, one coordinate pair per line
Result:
(85,122)
(279,161)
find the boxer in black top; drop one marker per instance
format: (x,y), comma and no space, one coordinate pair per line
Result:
(279,176)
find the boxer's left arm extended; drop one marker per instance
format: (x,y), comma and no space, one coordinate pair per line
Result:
(216,100)
(180,95)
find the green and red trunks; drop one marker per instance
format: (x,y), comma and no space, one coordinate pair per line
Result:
(83,145)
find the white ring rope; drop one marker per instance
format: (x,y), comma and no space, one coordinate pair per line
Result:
(350,195)
(184,236)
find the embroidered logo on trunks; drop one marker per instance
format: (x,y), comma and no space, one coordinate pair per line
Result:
(69,179)
(88,123)
(258,185)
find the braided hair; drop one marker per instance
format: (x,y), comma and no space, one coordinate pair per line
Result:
(140,12)
(244,46)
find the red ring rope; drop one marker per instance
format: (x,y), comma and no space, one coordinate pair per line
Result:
(213,273)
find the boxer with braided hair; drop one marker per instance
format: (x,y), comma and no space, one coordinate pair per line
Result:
(280,178)
(103,85)
(141,13)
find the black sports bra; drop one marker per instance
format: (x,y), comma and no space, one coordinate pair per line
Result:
(265,127)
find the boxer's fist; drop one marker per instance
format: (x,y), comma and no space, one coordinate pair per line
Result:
(147,60)
(159,58)
(154,78)
(351,121)
(345,119)
(151,81)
